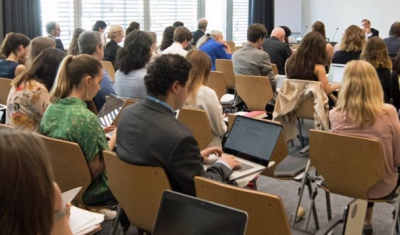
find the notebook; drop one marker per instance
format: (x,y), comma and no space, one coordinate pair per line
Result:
(181,214)
(336,72)
(110,110)
(252,141)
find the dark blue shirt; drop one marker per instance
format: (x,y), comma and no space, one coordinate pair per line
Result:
(215,50)
(7,68)
(107,89)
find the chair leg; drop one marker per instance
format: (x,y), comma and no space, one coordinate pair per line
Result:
(116,221)
(328,205)
(396,216)
(303,183)
(300,133)
(312,210)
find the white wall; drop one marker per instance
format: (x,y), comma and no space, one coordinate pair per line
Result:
(343,13)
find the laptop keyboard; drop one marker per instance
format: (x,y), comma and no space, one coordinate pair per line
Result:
(244,167)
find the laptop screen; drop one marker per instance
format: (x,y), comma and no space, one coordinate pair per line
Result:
(252,139)
(180,214)
(336,72)
(110,110)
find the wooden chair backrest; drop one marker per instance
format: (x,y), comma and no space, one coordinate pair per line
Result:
(216,81)
(255,91)
(350,165)
(226,67)
(69,165)
(109,67)
(5,87)
(266,212)
(275,69)
(198,123)
(138,189)
(127,103)
(231,45)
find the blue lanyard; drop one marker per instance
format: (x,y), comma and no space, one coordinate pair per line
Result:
(161,102)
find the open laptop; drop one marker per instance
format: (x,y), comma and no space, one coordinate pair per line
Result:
(252,141)
(181,214)
(110,110)
(336,72)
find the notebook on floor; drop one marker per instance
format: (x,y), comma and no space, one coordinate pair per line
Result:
(110,110)
(336,72)
(181,214)
(252,141)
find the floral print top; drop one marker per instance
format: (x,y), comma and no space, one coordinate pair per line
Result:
(69,119)
(26,105)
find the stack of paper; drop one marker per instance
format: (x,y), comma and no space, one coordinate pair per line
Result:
(83,221)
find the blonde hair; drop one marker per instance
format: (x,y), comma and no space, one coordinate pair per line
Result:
(199,73)
(353,39)
(37,45)
(115,31)
(376,53)
(361,94)
(71,72)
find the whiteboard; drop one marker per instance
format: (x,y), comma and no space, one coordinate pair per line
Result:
(289,13)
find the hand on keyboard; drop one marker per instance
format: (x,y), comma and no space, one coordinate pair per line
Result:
(230,160)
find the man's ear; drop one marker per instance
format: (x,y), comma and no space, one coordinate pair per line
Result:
(175,87)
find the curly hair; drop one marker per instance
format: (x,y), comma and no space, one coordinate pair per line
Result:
(353,39)
(136,52)
(164,71)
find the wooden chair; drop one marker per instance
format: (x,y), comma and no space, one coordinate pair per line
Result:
(350,166)
(255,91)
(226,67)
(275,69)
(109,67)
(69,166)
(138,189)
(5,87)
(127,103)
(266,212)
(231,45)
(198,123)
(216,81)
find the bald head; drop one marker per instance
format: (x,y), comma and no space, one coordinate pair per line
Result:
(279,33)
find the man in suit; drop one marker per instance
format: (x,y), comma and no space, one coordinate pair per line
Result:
(149,134)
(370,32)
(251,59)
(53,31)
(393,41)
(201,30)
(277,49)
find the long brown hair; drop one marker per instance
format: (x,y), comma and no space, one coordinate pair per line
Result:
(312,51)
(25,171)
(319,27)
(37,45)
(199,73)
(71,72)
(353,39)
(376,53)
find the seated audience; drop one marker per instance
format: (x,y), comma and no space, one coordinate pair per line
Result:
(319,27)
(116,35)
(100,26)
(30,201)
(90,43)
(201,30)
(68,118)
(375,52)
(133,26)
(53,30)
(360,111)
(167,39)
(200,96)
(29,95)
(36,46)
(251,59)
(393,41)
(131,62)
(277,49)
(308,63)
(74,46)
(214,45)
(370,32)
(182,39)
(150,135)
(352,44)
(15,50)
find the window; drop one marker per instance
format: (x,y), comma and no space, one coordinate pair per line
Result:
(120,12)
(240,21)
(164,13)
(61,11)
